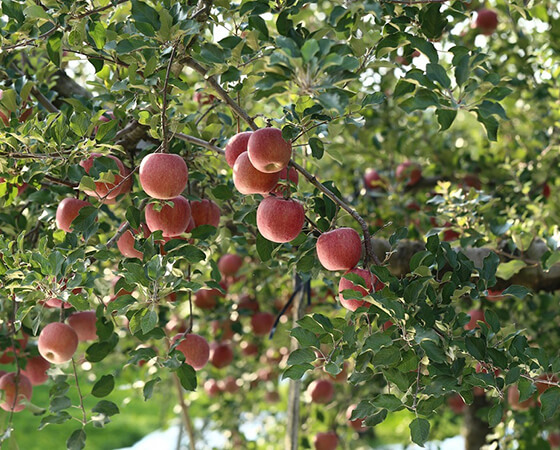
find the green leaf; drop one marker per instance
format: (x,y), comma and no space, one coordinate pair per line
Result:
(317,147)
(149,321)
(187,376)
(54,48)
(77,440)
(492,320)
(309,49)
(149,388)
(508,269)
(495,415)
(296,372)
(264,247)
(388,401)
(373,99)
(305,337)
(387,356)
(376,341)
(550,401)
(146,18)
(432,21)
(104,386)
(438,74)
(258,23)
(376,419)
(476,347)
(106,408)
(419,431)
(517,291)
(445,118)
(301,356)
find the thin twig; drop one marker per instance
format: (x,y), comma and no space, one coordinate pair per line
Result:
(165,142)
(185,412)
(97,10)
(84,416)
(59,181)
(199,142)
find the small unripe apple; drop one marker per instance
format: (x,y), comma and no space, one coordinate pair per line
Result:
(195,348)
(370,281)
(321,391)
(126,242)
(249,180)
(36,370)
(163,175)
(325,441)
(68,209)
(171,220)
(12,383)
(104,189)
(83,323)
(205,212)
(229,264)
(236,145)
(373,180)
(221,354)
(339,249)
(476,315)
(57,342)
(262,323)
(486,21)
(280,220)
(409,172)
(356,424)
(268,151)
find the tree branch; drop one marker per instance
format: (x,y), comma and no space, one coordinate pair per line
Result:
(185,412)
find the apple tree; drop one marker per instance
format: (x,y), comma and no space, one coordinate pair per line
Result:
(331,212)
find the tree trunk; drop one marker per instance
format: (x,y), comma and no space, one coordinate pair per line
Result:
(476,429)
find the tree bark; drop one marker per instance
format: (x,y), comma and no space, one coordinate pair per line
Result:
(475,429)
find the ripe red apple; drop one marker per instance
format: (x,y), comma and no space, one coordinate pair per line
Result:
(486,21)
(105,189)
(163,175)
(286,174)
(205,212)
(207,298)
(126,242)
(203,98)
(280,220)
(171,220)
(11,383)
(221,354)
(472,180)
(57,342)
(409,172)
(229,384)
(321,391)
(513,400)
(249,348)
(222,329)
(373,180)
(342,376)
(476,315)
(549,378)
(249,180)
(456,403)
(554,440)
(236,145)
(325,441)
(268,151)
(212,388)
(36,370)
(195,348)
(68,209)
(229,264)
(5,115)
(247,303)
(83,323)
(545,190)
(370,280)
(56,303)
(356,424)
(339,249)
(262,323)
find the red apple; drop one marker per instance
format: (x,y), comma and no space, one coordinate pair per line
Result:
(105,189)
(12,383)
(456,403)
(58,342)
(229,264)
(268,151)
(83,323)
(325,441)
(207,298)
(545,190)
(554,440)
(472,180)
(221,354)
(370,282)
(283,187)
(280,220)
(229,384)
(476,315)
(409,172)
(195,348)
(236,145)
(203,99)
(249,180)
(247,303)
(126,242)
(68,209)
(486,21)
(321,391)
(222,329)
(547,379)
(356,424)
(205,212)
(36,370)
(373,180)
(56,303)
(163,175)
(249,348)
(339,249)
(171,220)
(262,323)
(212,388)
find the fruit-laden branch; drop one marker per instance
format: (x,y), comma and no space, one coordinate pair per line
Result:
(532,277)
(124,227)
